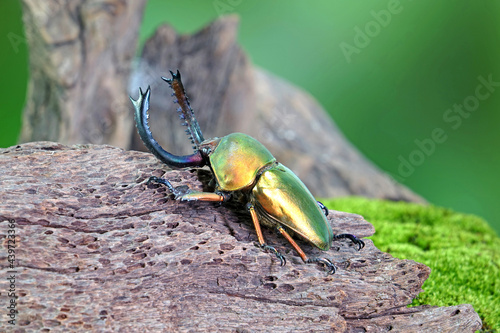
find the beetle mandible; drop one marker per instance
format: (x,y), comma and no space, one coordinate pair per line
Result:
(243,168)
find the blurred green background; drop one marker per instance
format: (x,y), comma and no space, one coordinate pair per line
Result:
(386,71)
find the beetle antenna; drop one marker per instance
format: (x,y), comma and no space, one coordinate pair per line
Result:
(186,112)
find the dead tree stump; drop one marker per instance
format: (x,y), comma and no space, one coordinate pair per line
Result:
(80,60)
(81,55)
(99,250)
(229,94)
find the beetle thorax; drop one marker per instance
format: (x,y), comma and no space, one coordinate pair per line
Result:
(237,160)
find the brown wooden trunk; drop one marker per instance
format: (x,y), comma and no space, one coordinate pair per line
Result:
(99,250)
(81,54)
(80,60)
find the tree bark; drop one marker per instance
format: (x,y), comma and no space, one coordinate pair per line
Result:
(80,58)
(229,95)
(99,250)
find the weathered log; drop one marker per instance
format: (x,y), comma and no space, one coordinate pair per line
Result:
(80,58)
(229,95)
(80,61)
(99,250)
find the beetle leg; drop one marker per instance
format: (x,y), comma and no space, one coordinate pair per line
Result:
(177,192)
(260,237)
(326,262)
(293,243)
(205,196)
(323,207)
(304,257)
(353,238)
(276,252)
(183,193)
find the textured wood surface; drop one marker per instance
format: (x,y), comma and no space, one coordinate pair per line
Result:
(229,95)
(81,54)
(99,250)
(80,59)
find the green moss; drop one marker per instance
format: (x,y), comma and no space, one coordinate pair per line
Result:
(462,250)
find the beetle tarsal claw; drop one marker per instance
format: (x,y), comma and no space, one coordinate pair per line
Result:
(178,192)
(353,238)
(276,252)
(323,208)
(331,267)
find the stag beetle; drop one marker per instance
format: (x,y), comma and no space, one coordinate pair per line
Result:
(246,171)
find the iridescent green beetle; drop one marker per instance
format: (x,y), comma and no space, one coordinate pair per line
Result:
(243,168)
